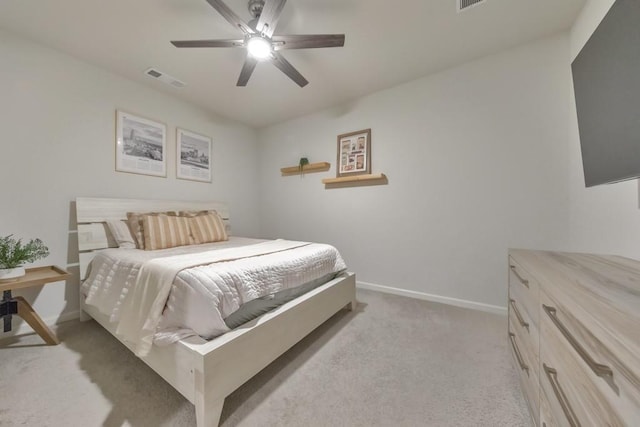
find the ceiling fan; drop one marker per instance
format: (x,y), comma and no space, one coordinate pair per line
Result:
(259,40)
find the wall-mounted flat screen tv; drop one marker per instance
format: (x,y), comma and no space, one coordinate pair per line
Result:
(606,80)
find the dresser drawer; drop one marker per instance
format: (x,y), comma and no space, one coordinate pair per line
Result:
(546,416)
(524,289)
(527,350)
(523,323)
(527,365)
(568,358)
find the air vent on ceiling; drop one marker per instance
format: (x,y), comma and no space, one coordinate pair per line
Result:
(466,4)
(164,77)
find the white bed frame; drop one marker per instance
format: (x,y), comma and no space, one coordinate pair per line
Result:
(206,372)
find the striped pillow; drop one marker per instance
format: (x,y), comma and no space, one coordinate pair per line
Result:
(191,214)
(207,227)
(134,221)
(164,231)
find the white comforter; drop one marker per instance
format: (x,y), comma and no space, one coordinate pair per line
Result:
(199,298)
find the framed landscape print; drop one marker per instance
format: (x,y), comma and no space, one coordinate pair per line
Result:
(141,145)
(354,153)
(194,156)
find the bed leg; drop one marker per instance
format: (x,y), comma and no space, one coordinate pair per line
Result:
(352,305)
(208,413)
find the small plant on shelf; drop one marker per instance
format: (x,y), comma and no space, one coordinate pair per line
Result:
(303,162)
(14,254)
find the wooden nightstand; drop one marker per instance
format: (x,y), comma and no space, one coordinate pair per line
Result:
(19,306)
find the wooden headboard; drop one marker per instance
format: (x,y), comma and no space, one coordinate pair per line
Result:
(93,234)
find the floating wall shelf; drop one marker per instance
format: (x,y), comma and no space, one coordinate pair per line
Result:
(311,167)
(347,181)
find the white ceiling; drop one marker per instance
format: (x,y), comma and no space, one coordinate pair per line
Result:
(388,42)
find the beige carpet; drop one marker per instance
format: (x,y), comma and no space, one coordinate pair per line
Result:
(394,362)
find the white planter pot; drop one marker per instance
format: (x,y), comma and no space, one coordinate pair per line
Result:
(11,274)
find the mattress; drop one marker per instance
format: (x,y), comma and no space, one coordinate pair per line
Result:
(201,298)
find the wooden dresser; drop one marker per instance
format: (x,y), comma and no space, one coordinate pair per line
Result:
(574,332)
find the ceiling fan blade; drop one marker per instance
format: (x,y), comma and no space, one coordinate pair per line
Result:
(284,66)
(230,16)
(269,17)
(247,69)
(307,41)
(208,43)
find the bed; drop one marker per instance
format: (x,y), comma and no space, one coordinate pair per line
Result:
(205,372)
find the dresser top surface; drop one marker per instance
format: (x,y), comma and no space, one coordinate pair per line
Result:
(591,267)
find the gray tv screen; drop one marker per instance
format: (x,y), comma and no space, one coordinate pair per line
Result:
(606,81)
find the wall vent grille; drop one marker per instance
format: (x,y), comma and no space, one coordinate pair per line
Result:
(164,77)
(466,4)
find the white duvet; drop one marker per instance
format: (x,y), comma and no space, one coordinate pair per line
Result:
(199,298)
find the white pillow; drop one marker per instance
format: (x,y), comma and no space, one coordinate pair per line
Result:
(121,233)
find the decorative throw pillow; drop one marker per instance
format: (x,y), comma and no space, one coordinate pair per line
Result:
(207,227)
(163,231)
(121,233)
(134,221)
(191,214)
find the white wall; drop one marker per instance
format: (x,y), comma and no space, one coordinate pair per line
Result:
(606,218)
(57,117)
(476,158)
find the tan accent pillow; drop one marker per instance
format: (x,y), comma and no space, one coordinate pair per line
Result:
(191,214)
(134,221)
(207,227)
(164,231)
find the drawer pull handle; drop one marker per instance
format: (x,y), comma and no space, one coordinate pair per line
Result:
(552,374)
(523,281)
(518,315)
(599,369)
(523,365)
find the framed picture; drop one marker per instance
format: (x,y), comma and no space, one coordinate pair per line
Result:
(194,156)
(141,145)
(354,153)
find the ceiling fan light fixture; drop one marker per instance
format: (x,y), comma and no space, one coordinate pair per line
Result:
(259,41)
(259,47)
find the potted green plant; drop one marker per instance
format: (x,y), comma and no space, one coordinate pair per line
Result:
(303,162)
(13,256)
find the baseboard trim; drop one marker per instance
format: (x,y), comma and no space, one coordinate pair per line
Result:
(24,327)
(496,309)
